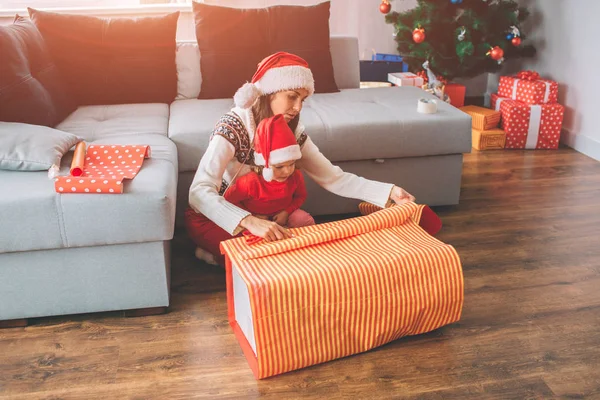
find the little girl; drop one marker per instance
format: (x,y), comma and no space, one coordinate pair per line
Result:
(279,191)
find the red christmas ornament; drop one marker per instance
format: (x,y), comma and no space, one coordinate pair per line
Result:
(385,6)
(419,35)
(516,41)
(496,53)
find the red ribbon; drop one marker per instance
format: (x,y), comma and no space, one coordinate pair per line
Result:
(423,74)
(528,75)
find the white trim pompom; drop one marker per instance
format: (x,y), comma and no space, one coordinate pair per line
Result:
(246,95)
(267,173)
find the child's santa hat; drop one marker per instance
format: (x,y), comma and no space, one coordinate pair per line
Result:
(277,72)
(274,143)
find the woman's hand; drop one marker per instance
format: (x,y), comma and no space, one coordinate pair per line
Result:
(268,230)
(281,218)
(401,196)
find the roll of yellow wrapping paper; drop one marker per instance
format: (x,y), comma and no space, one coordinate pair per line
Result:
(78,160)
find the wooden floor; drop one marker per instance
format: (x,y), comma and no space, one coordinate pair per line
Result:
(528,233)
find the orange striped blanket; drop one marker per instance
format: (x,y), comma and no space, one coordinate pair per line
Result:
(338,289)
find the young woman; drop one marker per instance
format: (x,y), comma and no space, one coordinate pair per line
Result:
(280,85)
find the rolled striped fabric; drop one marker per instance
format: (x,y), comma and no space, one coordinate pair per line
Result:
(367,208)
(339,288)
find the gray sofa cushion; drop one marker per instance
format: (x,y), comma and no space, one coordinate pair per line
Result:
(352,125)
(190,126)
(94,122)
(25,147)
(115,60)
(31,88)
(40,218)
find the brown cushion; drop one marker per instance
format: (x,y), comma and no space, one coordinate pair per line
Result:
(31,90)
(113,60)
(233,41)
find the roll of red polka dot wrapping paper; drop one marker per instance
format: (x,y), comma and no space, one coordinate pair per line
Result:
(529,126)
(105,168)
(539,91)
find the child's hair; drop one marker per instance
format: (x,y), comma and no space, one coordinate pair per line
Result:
(262,109)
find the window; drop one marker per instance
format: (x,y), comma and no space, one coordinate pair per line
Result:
(22,4)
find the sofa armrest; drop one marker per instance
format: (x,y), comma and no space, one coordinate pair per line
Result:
(344,54)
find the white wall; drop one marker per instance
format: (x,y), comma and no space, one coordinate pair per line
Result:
(566,35)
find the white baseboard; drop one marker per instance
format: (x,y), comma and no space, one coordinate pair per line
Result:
(583,144)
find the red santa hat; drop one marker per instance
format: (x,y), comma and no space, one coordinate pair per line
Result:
(274,143)
(277,72)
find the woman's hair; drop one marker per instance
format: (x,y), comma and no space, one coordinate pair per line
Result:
(262,109)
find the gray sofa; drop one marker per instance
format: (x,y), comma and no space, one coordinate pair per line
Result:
(74,253)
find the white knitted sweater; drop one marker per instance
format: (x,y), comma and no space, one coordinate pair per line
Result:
(219,163)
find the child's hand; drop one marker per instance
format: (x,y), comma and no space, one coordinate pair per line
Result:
(281,218)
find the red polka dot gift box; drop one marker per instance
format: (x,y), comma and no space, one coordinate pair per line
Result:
(105,167)
(528,87)
(529,126)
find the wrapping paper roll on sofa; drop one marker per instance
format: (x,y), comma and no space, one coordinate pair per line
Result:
(103,170)
(338,289)
(78,163)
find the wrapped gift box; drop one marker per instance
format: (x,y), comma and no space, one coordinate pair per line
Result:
(394,58)
(493,139)
(529,126)
(405,79)
(528,88)
(457,94)
(338,289)
(482,118)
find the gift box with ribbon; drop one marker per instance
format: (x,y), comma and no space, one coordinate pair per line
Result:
(339,288)
(528,87)
(457,93)
(405,79)
(529,126)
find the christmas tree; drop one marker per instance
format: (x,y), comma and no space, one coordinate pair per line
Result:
(460,38)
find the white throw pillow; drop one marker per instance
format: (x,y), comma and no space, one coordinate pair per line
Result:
(189,78)
(26,147)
